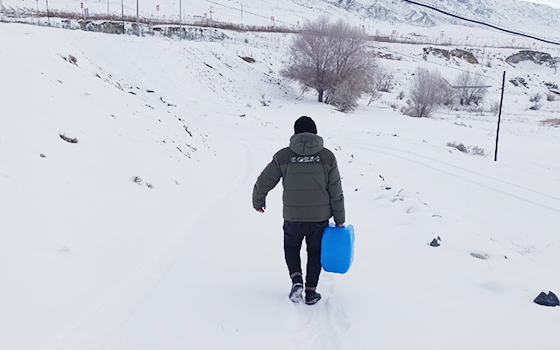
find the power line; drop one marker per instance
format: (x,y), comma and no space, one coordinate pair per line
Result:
(418,59)
(245,11)
(482,23)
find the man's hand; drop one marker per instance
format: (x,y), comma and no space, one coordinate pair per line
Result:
(261,210)
(339,225)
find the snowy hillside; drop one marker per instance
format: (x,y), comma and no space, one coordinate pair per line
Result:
(139,233)
(521,16)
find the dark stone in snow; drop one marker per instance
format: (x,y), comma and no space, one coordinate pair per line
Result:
(435,243)
(547,300)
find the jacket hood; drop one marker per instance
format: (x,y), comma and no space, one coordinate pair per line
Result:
(306,144)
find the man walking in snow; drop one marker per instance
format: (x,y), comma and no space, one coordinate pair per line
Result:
(312,195)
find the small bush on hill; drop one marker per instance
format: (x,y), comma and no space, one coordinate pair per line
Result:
(333,59)
(535,98)
(477,151)
(471,88)
(426,93)
(536,106)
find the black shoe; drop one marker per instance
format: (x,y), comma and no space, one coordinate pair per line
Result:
(312,297)
(296,292)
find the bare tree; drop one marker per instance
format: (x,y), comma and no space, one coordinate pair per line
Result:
(381,81)
(448,94)
(426,93)
(345,94)
(312,57)
(471,88)
(331,56)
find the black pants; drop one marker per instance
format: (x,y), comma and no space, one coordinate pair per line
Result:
(294,232)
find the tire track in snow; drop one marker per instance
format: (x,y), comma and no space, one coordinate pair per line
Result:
(95,330)
(498,183)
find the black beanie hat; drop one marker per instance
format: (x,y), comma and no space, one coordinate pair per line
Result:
(305,124)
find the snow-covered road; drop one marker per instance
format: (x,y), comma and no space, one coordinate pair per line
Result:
(142,234)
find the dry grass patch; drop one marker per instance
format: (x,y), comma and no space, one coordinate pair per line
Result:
(248,59)
(68,138)
(475,150)
(554,122)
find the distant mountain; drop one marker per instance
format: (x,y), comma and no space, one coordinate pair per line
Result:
(528,17)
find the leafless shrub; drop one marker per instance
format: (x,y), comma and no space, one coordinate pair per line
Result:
(400,96)
(536,106)
(149,185)
(518,81)
(374,94)
(535,97)
(448,94)
(460,124)
(458,146)
(381,81)
(72,59)
(384,80)
(477,151)
(344,95)
(551,97)
(425,93)
(471,88)
(494,106)
(264,101)
(136,179)
(554,122)
(326,57)
(68,139)
(477,110)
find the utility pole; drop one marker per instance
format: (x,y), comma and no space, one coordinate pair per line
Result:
(48,15)
(180,17)
(556,61)
(137,19)
(122,16)
(107,7)
(241,13)
(500,117)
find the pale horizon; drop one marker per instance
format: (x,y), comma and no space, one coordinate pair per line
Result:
(551,3)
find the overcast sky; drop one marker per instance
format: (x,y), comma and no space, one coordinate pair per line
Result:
(553,3)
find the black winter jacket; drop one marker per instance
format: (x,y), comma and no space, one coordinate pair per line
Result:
(312,187)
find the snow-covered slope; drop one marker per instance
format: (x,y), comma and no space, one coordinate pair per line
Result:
(92,259)
(520,16)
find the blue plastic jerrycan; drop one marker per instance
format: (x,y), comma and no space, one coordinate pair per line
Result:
(337,248)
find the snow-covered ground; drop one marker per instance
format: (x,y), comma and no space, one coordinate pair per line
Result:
(539,21)
(142,234)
